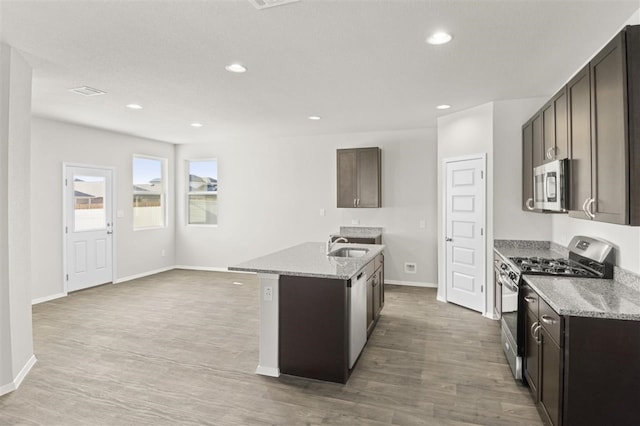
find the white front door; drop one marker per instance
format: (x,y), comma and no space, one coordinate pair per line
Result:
(88,227)
(464,227)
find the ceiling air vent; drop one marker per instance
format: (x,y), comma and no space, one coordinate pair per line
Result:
(87,91)
(263,4)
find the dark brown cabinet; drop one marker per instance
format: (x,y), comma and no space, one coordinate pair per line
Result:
(579,103)
(597,118)
(537,129)
(375,291)
(527,166)
(543,355)
(359,177)
(582,371)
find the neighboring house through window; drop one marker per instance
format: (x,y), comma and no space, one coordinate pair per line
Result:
(202,194)
(149,176)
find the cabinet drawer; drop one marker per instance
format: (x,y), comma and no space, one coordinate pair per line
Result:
(530,298)
(550,321)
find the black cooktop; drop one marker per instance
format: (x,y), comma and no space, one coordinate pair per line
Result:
(558,266)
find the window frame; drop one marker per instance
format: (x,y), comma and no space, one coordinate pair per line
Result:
(189,193)
(164,199)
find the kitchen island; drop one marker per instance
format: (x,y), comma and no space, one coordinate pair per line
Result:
(314,308)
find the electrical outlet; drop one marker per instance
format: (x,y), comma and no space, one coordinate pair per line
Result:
(268,294)
(422,224)
(163,252)
(355,222)
(322,212)
(410,268)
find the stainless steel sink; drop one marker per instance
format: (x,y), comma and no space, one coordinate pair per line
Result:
(349,252)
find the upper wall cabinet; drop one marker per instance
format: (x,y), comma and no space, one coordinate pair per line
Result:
(359,177)
(599,112)
(527,166)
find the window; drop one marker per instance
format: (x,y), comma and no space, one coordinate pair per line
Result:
(148,192)
(202,195)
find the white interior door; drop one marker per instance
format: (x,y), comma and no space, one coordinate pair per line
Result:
(88,227)
(464,239)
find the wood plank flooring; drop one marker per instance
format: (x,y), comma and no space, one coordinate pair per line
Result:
(181,348)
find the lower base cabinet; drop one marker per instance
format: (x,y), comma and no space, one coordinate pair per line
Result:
(585,371)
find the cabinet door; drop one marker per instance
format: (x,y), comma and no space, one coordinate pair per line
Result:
(537,140)
(550,377)
(369,304)
(368,177)
(561,124)
(531,367)
(609,138)
(579,102)
(549,131)
(347,177)
(527,166)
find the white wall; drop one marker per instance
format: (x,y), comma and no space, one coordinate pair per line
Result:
(137,252)
(16,342)
(509,220)
(271,191)
(467,132)
(493,129)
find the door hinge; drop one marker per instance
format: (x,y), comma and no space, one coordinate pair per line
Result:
(481,231)
(481,174)
(67,277)
(481,289)
(66,183)
(66,229)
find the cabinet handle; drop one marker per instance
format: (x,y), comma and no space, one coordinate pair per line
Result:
(588,208)
(584,206)
(533,328)
(358,201)
(354,202)
(529,299)
(535,335)
(530,204)
(551,153)
(547,320)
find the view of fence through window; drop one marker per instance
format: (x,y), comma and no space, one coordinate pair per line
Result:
(89,209)
(202,198)
(148,193)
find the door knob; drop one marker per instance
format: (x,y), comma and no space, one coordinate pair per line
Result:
(448,239)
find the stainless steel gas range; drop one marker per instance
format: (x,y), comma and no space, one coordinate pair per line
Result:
(588,258)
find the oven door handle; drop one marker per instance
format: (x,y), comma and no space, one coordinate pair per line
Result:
(508,284)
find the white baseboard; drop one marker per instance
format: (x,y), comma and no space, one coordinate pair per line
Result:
(143,274)
(48,298)
(268,371)
(441,299)
(490,315)
(411,283)
(10,387)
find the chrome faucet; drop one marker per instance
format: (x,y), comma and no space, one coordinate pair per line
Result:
(331,242)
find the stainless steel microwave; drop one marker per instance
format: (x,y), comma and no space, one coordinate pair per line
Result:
(551,186)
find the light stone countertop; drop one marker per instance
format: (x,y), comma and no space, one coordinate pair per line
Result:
(587,297)
(311,260)
(582,297)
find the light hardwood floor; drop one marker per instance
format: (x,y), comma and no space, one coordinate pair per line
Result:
(181,348)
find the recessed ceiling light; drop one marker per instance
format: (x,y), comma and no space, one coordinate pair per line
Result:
(443,106)
(196,124)
(134,106)
(439,38)
(237,68)
(314,117)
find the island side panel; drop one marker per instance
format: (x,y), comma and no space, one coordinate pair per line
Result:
(314,328)
(268,363)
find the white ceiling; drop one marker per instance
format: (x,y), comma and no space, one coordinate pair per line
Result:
(362,65)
